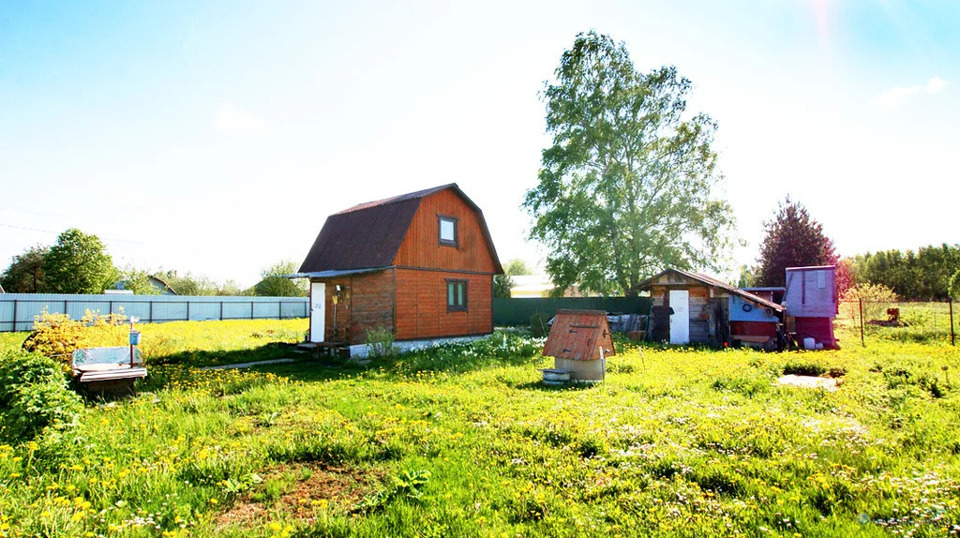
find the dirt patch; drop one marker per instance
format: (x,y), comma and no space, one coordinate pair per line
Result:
(305,490)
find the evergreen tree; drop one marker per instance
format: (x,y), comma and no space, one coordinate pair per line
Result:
(793,239)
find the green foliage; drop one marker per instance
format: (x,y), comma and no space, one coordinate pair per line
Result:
(792,239)
(517,267)
(380,342)
(79,263)
(876,299)
(464,440)
(26,271)
(502,285)
(923,275)
(274,285)
(955,285)
(407,485)
(57,336)
(626,188)
(138,281)
(188,284)
(34,397)
(538,324)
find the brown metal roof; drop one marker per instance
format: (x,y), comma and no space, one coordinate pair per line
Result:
(578,335)
(710,281)
(369,234)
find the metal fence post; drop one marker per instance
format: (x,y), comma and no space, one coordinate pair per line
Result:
(151,312)
(251,309)
(14,315)
(221,310)
(952,341)
(188,310)
(279,309)
(862,341)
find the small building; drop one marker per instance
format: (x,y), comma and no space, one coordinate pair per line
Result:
(812,303)
(579,342)
(420,265)
(693,308)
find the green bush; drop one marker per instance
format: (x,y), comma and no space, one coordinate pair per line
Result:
(33,397)
(538,325)
(380,341)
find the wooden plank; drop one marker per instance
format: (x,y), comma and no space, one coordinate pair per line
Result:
(110,375)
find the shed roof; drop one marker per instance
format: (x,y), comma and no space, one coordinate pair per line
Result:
(368,235)
(578,335)
(710,281)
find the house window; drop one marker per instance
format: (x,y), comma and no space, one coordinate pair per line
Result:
(456,295)
(448,231)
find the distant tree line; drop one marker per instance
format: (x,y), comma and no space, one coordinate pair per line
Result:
(794,239)
(923,275)
(79,263)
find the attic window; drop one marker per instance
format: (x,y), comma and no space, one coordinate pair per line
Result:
(448,230)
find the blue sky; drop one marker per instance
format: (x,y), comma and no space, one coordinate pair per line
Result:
(215,137)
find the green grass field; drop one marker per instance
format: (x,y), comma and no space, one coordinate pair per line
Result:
(465,441)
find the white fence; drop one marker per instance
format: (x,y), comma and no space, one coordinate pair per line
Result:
(17,310)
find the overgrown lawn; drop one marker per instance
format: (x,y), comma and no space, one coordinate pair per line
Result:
(465,441)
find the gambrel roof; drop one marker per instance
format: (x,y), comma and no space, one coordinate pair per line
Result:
(368,235)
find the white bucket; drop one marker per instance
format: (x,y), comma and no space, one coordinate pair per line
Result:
(809,343)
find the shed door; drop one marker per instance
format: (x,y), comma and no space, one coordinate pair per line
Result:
(318,295)
(680,319)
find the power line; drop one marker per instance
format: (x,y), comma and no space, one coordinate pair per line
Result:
(58,233)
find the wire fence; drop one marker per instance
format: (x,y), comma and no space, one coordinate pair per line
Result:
(907,321)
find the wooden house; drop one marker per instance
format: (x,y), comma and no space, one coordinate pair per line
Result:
(693,308)
(420,265)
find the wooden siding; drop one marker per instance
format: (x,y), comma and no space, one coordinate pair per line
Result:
(422,305)
(578,335)
(703,304)
(368,304)
(421,246)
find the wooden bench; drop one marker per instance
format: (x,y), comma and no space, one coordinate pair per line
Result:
(108,370)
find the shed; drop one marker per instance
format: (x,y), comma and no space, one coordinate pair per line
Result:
(691,307)
(579,342)
(811,303)
(420,265)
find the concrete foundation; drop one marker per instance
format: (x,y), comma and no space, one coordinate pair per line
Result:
(582,371)
(362,351)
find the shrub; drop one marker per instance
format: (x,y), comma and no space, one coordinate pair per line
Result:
(954,286)
(34,396)
(57,336)
(803,368)
(874,298)
(538,325)
(380,341)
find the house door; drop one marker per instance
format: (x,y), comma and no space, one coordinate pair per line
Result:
(318,295)
(680,319)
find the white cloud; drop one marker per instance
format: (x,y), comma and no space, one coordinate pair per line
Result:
(935,85)
(231,120)
(897,96)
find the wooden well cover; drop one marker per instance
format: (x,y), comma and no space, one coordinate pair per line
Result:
(578,335)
